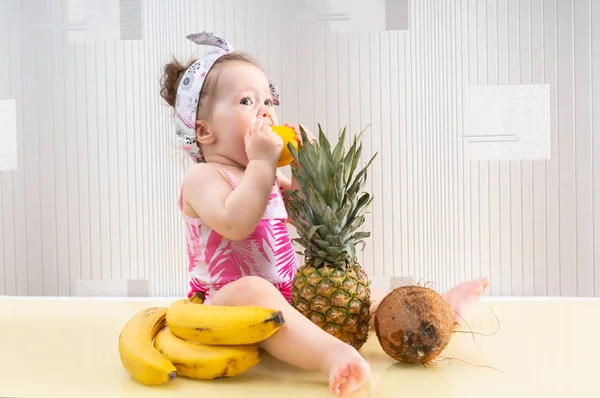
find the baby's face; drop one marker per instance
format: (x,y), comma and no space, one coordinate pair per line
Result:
(241,96)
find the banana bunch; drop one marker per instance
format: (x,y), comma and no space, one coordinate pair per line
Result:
(194,340)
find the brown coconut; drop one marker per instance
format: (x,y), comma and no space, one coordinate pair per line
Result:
(413,324)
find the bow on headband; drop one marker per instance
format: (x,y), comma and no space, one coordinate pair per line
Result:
(190,86)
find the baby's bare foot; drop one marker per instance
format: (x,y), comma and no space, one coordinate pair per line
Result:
(462,296)
(348,373)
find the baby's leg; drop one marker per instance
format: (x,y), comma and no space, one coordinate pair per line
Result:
(299,342)
(462,296)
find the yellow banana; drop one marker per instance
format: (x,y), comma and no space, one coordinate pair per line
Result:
(197,298)
(206,362)
(222,325)
(138,355)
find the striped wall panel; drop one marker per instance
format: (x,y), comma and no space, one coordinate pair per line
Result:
(98,171)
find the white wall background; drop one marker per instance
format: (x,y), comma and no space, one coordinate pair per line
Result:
(94,194)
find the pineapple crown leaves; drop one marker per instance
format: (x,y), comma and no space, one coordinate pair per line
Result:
(330,206)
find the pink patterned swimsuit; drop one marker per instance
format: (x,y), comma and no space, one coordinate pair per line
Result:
(267,252)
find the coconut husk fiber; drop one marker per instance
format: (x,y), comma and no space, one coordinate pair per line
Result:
(413,324)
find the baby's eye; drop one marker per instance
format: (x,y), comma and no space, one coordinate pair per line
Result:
(246,101)
(268,102)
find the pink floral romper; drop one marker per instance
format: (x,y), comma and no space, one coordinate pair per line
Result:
(268,252)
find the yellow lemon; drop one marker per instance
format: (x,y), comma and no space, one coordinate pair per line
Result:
(287,134)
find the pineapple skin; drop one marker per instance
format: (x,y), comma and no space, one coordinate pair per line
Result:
(335,299)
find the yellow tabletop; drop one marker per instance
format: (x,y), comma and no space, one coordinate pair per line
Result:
(543,348)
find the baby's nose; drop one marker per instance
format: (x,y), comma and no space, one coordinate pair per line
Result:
(267,116)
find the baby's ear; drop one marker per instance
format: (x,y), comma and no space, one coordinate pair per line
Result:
(203,133)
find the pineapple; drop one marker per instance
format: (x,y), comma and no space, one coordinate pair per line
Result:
(331,288)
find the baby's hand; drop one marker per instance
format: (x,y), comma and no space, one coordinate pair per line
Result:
(262,144)
(296,128)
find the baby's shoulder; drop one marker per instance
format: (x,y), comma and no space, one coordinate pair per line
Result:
(204,174)
(199,172)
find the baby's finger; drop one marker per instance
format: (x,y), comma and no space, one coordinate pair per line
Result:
(258,124)
(299,139)
(293,127)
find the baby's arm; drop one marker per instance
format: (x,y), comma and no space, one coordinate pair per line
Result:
(233,213)
(285,183)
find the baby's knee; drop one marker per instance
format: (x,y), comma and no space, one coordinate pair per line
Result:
(249,286)
(252,284)
(249,290)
